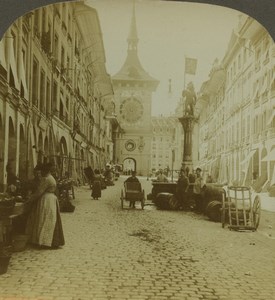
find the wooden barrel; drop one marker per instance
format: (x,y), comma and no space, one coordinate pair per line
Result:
(174,202)
(165,201)
(213,210)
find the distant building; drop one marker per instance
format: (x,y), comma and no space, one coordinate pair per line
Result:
(167,143)
(54,92)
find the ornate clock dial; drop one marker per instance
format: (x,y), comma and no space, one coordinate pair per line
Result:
(130,145)
(131,110)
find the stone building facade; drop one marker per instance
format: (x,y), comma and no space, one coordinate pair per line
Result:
(236,109)
(55,93)
(167,143)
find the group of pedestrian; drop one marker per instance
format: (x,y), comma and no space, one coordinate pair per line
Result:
(188,184)
(100,180)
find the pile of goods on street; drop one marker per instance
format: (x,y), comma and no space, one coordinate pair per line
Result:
(65,194)
(7,204)
(11,204)
(213,202)
(165,197)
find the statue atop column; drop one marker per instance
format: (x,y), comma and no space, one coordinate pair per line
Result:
(189,99)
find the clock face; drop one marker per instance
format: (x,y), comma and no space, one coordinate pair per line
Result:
(131,110)
(130,145)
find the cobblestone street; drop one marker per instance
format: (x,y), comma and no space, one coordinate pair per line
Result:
(112,253)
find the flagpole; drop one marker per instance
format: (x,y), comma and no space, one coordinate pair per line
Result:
(184,76)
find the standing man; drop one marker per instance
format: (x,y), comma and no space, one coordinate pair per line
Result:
(182,188)
(132,178)
(199,186)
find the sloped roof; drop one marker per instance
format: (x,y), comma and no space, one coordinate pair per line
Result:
(132,69)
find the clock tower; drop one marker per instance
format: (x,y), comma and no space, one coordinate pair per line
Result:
(133,88)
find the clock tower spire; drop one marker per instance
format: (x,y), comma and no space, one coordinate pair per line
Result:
(133,36)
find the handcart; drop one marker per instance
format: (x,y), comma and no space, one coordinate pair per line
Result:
(132,192)
(238,208)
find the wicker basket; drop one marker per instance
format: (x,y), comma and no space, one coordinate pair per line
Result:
(19,242)
(4,263)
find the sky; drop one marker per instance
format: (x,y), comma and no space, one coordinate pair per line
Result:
(168,31)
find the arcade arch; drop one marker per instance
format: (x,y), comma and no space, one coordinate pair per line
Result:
(129,165)
(22,173)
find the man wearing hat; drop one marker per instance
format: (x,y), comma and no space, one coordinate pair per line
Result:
(198,188)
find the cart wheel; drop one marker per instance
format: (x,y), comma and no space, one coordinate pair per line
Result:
(122,198)
(143,200)
(223,210)
(256,211)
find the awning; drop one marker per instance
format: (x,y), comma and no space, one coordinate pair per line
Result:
(91,150)
(264,84)
(270,156)
(271,117)
(88,23)
(64,104)
(105,88)
(256,90)
(83,145)
(22,76)
(13,63)
(78,138)
(2,55)
(248,157)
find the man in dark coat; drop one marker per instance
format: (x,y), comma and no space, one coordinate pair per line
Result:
(132,178)
(182,188)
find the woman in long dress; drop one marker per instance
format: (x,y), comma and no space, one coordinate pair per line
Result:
(44,225)
(96,185)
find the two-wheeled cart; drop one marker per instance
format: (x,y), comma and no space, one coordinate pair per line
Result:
(132,192)
(240,210)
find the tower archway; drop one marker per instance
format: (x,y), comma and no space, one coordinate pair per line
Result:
(129,165)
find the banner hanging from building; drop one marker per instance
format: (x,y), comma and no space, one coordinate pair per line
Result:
(190,65)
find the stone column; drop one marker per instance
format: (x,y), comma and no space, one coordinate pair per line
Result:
(187,123)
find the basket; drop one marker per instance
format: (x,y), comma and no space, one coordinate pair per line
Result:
(4,263)
(19,242)
(18,209)
(213,210)
(6,211)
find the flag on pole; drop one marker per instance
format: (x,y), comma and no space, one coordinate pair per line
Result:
(190,65)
